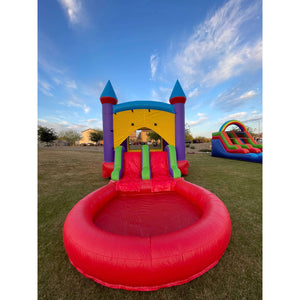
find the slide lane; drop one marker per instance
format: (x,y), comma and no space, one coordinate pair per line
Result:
(227,143)
(252,142)
(145,170)
(118,165)
(131,179)
(244,142)
(172,162)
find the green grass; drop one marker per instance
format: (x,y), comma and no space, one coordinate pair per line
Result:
(65,177)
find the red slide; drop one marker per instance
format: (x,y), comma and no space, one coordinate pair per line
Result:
(131,179)
(161,179)
(238,148)
(245,142)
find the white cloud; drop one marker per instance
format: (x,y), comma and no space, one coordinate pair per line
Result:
(49,66)
(194,93)
(45,87)
(254,119)
(73,10)
(201,118)
(92,120)
(233,98)
(93,123)
(64,82)
(55,70)
(217,50)
(234,63)
(58,76)
(240,116)
(249,94)
(62,125)
(71,84)
(154,95)
(100,87)
(57,81)
(162,94)
(77,103)
(86,108)
(154,59)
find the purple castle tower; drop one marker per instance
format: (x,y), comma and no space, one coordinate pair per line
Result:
(108,98)
(178,99)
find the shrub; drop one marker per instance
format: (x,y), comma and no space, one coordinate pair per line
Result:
(204,150)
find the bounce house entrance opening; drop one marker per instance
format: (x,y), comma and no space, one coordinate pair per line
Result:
(144,136)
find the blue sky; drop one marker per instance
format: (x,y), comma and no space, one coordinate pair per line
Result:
(214,48)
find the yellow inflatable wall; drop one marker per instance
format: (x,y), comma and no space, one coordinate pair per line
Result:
(127,121)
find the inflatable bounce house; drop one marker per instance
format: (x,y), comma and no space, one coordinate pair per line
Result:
(147,228)
(236,144)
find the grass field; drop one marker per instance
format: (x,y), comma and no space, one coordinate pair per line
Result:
(65,177)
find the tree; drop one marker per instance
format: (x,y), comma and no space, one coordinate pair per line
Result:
(234,128)
(153,135)
(238,129)
(46,135)
(250,130)
(202,139)
(188,135)
(96,136)
(70,136)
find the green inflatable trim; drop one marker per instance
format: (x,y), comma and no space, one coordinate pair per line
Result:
(115,175)
(173,162)
(235,141)
(220,134)
(254,145)
(145,162)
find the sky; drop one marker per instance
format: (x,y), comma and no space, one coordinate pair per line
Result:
(214,49)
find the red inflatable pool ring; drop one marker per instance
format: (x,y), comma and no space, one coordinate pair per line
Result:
(144,240)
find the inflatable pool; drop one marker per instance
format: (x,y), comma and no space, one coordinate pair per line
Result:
(146,241)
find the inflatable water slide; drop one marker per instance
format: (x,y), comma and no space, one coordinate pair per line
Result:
(236,144)
(147,228)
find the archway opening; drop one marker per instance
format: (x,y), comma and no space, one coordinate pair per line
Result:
(144,136)
(233,127)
